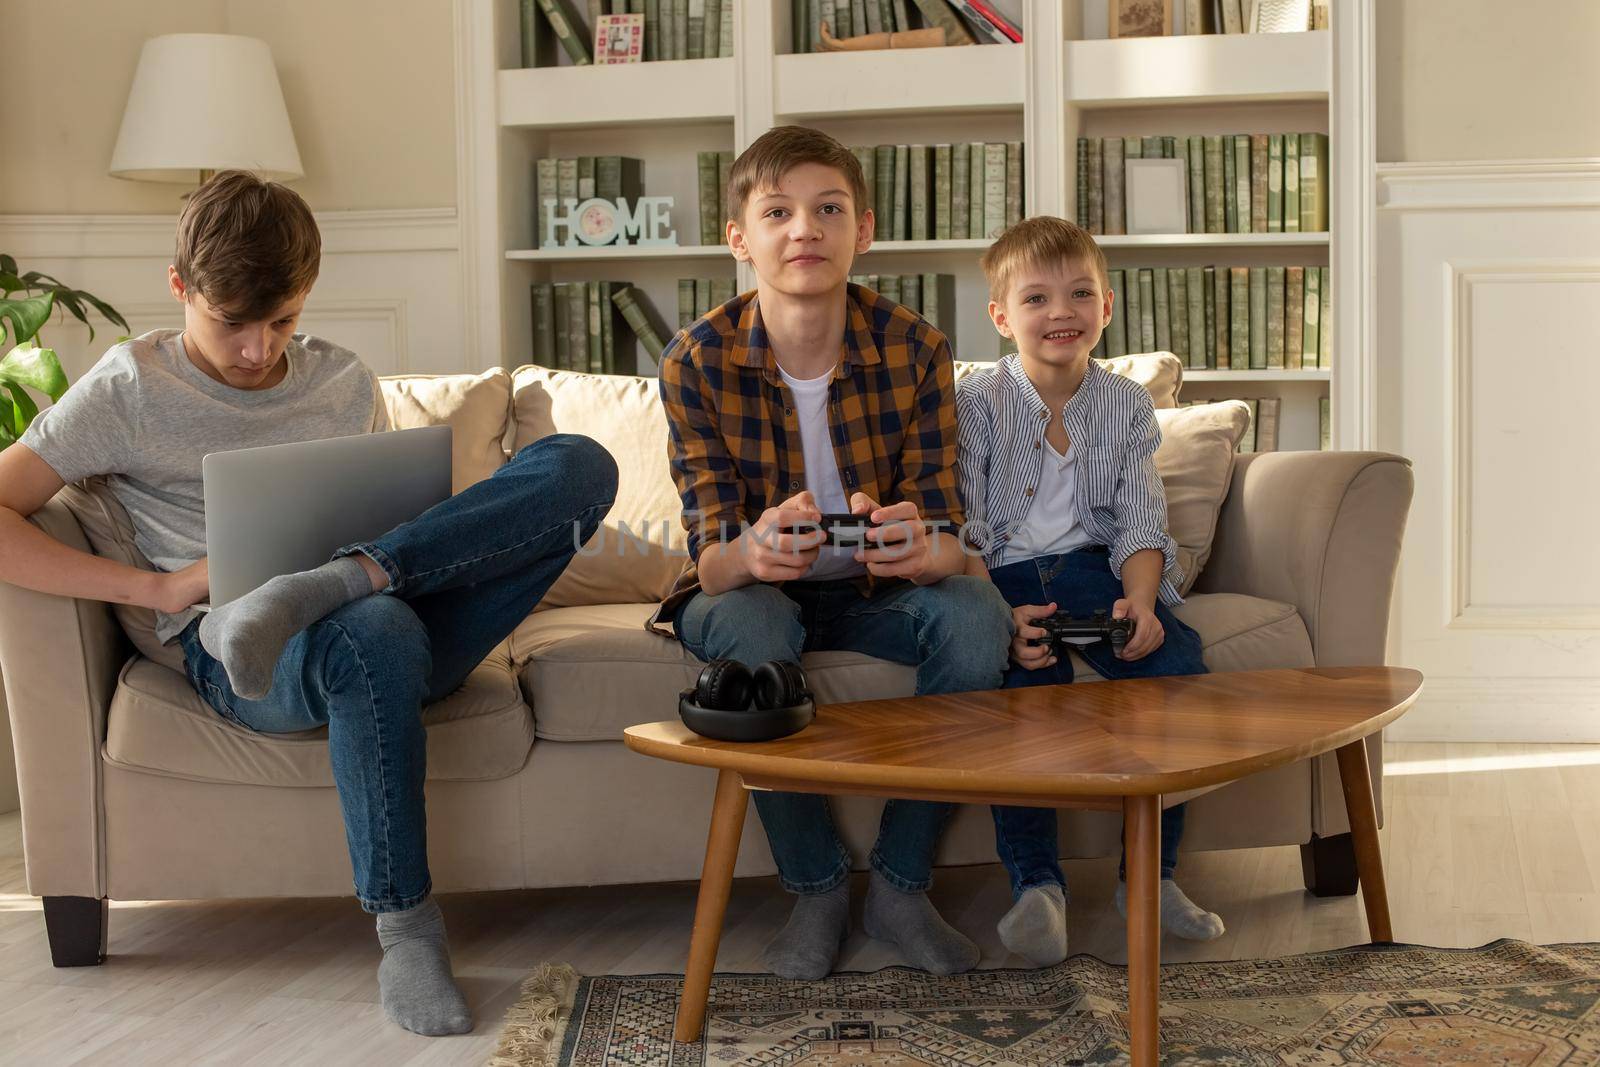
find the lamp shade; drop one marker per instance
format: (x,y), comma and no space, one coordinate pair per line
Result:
(205,101)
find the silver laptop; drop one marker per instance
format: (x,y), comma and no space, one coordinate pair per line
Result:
(286,508)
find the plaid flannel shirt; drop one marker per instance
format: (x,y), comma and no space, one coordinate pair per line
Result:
(734,442)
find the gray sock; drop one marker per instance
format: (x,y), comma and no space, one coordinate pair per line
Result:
(248,634)
(1036,926)
(418,990)
(1182,916)
(808,944)
(910,921)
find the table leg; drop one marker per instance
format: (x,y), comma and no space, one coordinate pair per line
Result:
(716,879)
(1356,778)
(1141,822)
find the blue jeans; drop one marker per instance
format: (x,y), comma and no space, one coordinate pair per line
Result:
(955,632)
(1079,582)
(461,577)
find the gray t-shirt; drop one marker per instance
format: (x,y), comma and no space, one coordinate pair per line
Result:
(145,416)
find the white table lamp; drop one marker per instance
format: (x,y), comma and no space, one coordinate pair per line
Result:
(204,102)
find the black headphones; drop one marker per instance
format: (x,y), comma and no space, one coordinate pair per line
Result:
(730,702)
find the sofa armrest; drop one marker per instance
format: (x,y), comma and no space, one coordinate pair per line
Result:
(59,658)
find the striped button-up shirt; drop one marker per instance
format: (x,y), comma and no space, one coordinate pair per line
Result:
(734,443)
(1111,425)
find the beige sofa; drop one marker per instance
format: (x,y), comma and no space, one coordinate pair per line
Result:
(132,789)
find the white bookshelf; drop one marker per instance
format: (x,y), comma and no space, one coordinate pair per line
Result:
(1066,80)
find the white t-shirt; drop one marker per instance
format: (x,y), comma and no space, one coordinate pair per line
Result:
(822,472)
(1051,525)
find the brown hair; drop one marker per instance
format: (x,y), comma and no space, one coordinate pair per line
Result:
(781,149)
(247,245)
(1042,240)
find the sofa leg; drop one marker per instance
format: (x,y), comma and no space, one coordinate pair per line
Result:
(76,927)
(1329,866)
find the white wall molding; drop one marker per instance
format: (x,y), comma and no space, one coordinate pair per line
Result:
(1490,185)
(1549,710)
(142,236)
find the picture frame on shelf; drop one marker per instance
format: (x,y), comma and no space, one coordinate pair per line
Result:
(619,39)
(1138,18)
(1157,196)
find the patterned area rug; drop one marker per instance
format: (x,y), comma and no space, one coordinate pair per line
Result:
(1506,1003)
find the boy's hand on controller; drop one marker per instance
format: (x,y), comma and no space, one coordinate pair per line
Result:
(180,589)
(1148,633)
(774,556)
(901,540)
(1031,657)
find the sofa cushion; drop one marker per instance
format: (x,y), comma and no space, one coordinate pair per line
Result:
(476,407)
(591,672)
(1195,461)
(639,550)
(158,724)
(1159,372)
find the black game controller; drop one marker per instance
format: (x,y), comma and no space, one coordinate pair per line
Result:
(1062,630)
(842,530)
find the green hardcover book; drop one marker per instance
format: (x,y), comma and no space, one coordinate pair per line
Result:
(1241,180)
(1267,424)
(1170,149)
(1312,328)
(1147,310)
(702,297)
(722,291)
(976,167)
(652,31)
(686,313)
(600,311)
(1114,150)
(578,325)
(1014,162)
(902,192)
(680,29)
(1275,183)
(711,28)
(1275,318)
(567,183)
(1150,147)
(1258,183)
(725,31)
(1178,312)
(869,177)
(889,286)
(902,16)
(858,16)
(911,291)
(1239,298)
(1132,148)
(585,177)
(595,338)
(538,38)
(570,33)
(799,27)
(707,165)
(1081,201)
(1325,334)
(561,305)
(1224,321)
(846,26)
(938,13)
(1324,425)
(544,324)
(1196,291)
(618,178)
(883,193)
(939,302)
(920,193)
(1208,314)
(1247,443)
(1134,315)
(724,170)
(545,188)
(960,190)
(1116,330)
(874,13)
(873,281)
(941,192)
(994,189)
(1215,217)
(1291,183)
(1195,154)
(1258,318)
(1097,196)
(1161,284)
(1294,316)
(1230,189)
(1313,182)
(631,303)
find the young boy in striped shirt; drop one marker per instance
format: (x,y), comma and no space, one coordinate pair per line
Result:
(1057,472)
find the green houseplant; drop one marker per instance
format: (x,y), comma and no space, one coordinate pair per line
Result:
(28,365)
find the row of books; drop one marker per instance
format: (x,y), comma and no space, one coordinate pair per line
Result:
(1262,433)
(713,188)
(1238,183)
(584,325)
(933,296)
(943,192)
(963,21)
(582,177)
(1251,16)
(1223,318)
(673,29)
(697,296)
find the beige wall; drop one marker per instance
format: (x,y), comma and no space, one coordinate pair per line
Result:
(1484,79)
(368,83)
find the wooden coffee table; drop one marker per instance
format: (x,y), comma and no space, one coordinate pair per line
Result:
(1116,746)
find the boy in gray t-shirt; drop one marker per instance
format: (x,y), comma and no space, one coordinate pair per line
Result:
(359,644)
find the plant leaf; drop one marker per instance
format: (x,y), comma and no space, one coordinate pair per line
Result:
(7,264)
(111,314)
(26,317)
(23,409)
(35,367)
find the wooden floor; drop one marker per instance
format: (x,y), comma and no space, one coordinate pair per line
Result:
(1481,842)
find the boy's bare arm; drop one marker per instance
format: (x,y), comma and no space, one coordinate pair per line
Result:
(33,559)
(1141,577)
